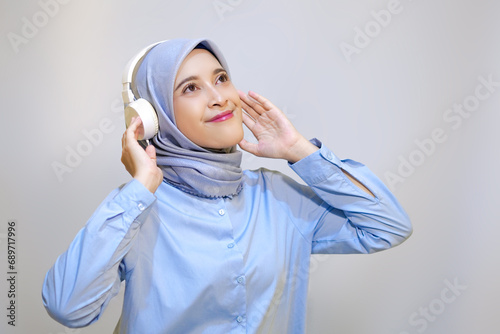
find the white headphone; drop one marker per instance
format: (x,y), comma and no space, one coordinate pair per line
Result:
(137,106)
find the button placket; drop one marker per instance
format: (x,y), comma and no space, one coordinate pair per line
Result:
(239,300)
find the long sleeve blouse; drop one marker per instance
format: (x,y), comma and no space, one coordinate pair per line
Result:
(235,264)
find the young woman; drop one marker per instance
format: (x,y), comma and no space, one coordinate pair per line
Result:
(203,246)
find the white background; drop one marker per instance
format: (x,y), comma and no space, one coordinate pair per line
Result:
(373,106)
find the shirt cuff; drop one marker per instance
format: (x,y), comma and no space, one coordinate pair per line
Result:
(320,162)
(134,198)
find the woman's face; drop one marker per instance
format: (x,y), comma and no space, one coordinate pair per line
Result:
(207,107)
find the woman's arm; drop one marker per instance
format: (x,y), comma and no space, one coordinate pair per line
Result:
(360,213)
(353,221)
(276,135)
(84,278)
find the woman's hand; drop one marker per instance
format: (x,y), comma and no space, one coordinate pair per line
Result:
(276,136)
(140,163)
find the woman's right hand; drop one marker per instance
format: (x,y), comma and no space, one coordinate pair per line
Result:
(140,163)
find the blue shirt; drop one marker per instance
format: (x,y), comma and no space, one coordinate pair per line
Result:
(229,265)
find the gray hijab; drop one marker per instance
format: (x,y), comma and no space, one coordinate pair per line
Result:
(185,165)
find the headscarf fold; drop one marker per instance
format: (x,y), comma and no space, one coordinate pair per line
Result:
(184,164)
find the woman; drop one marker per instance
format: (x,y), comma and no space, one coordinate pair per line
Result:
(203,246)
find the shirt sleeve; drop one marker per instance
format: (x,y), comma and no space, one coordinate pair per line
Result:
(84,278)
(369,224)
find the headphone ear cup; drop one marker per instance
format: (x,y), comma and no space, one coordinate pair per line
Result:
(143,109)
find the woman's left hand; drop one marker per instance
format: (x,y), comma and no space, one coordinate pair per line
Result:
(276,136)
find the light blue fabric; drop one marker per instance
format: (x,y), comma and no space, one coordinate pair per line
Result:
(226,265)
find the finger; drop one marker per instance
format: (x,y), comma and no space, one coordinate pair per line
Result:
(252,103)
(262,100)
(132,131)
(248,121)
(245,104)
(131,127)
(151,151)
(126,132)
(249,110)
(248,147)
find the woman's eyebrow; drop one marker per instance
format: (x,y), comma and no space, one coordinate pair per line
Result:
(195,77)
(218,70)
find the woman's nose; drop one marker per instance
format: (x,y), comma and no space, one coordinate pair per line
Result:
(216,97)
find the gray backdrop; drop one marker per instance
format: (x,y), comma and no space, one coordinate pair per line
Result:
(409,88)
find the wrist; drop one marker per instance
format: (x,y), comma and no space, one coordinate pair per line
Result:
(148,180)
(301,149)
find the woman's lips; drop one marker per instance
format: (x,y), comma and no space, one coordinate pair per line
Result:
(222,116)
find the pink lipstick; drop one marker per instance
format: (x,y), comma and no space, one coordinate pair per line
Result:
(223,116)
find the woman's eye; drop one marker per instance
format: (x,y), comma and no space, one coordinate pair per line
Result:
(189,88)
(223,78)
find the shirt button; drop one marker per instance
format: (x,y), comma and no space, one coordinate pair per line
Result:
(239,319)
(141,206)
(231,245)
(329,156)
(240,280)
(222,212)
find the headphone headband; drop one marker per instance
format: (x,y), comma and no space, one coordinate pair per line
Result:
(136,106)
(128,73)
